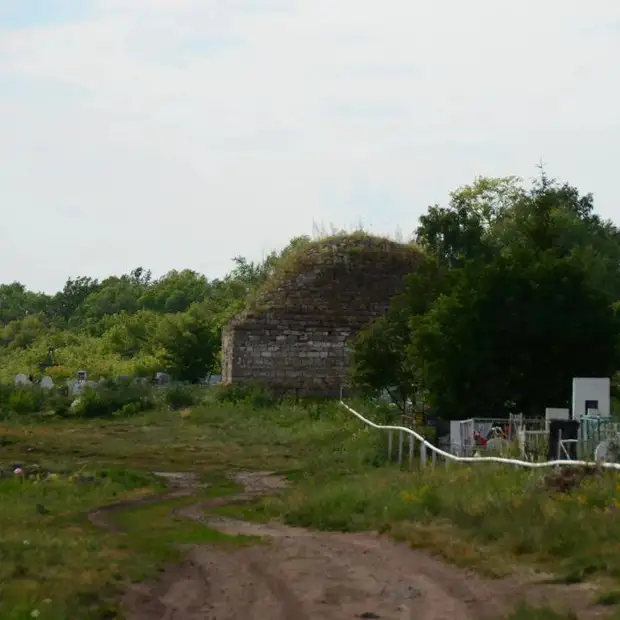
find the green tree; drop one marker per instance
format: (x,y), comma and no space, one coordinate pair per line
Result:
(523,280)
(17,302)
(189,344)
(175,292)
(380,352)
(511,335)
(460,231)
(557,218)
(130,334)
(112,296)
(380,362)
(141,276)
(66,303)
(22,333)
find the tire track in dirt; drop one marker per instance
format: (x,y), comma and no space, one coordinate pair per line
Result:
(180,485)
(302,575)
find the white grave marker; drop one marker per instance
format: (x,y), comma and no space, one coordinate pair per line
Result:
(47,383)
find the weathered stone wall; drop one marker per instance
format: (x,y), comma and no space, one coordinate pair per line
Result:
(295,337)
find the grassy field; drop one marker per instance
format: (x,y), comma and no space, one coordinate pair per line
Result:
(54,562)
(56,565)
(487,516)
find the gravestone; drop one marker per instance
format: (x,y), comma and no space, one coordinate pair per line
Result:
(77,387)
(47,383)
(162,378)
(22,379)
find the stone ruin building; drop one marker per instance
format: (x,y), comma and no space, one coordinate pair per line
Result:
(294,336)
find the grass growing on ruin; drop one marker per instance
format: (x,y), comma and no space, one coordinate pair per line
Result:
(311,253)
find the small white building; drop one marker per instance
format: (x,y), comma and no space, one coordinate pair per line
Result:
(591,396)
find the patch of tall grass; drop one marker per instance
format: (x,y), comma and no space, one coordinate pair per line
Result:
(53,564)
(531,515)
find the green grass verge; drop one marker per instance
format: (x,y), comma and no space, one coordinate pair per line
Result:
(209,438)
(51,559)
(609,597)
(55,565)
(525,612)
(471,514)
(495,518)
(66,568)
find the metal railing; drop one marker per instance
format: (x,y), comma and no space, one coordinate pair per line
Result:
(593,430)
(425,445)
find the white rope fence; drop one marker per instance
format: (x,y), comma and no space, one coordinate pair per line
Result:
(435,451)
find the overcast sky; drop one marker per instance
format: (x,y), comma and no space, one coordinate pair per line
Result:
(179,133)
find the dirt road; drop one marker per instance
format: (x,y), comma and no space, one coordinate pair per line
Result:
(304,575)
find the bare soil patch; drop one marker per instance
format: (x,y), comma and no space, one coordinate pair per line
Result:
(303,575)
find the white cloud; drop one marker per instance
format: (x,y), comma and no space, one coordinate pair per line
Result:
(184,132)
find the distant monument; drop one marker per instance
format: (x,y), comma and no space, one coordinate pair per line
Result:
(295,336)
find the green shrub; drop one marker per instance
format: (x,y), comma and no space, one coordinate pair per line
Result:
(25,399)
(59,403)
(179,397)
(129,409)
(253,394)
(320,409)
(385,414)
(122,399)
(127,478)
(91,404)
(5,391)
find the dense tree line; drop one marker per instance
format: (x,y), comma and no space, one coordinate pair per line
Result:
(517,294)
(128,324)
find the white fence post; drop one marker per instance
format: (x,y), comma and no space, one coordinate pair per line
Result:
(390,445)
(423,454)
(401,438)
